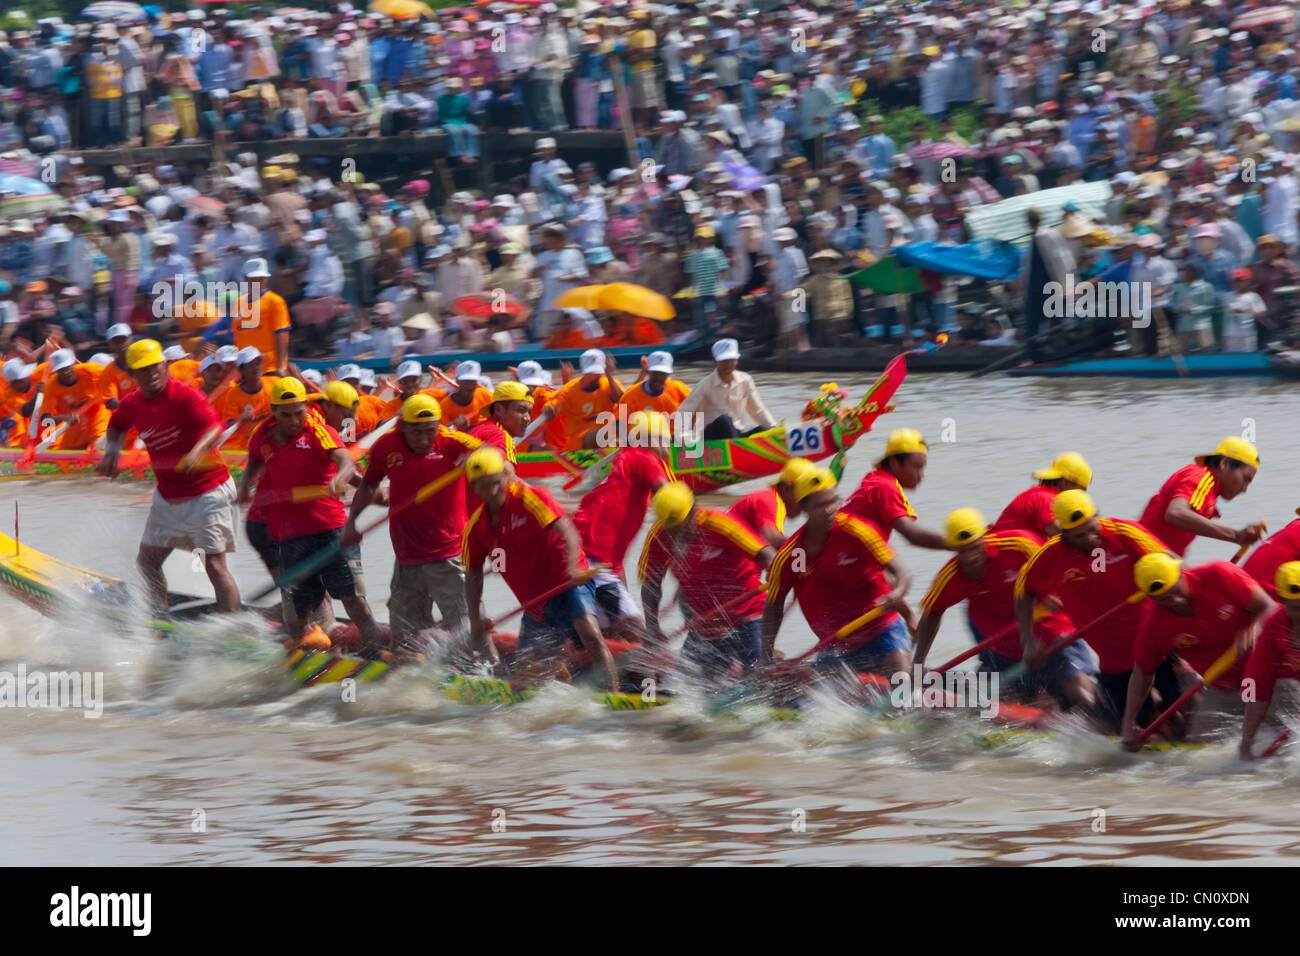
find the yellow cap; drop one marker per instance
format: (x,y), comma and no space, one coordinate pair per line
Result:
(271,172)
(704,232)
(1156,573)
(144,353)
(341,393)
(1071,466)
(793,469)
(812,481)
(673,502)
(964,526)
(510,392)
(649,429)
(485,460)
(1072,508)
(420,408)
(287,391)
(1238,449)
(903,441)
(1287,581)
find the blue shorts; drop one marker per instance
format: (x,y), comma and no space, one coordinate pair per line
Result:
(870,656)
(1078,658)
(558,615)
(713,659)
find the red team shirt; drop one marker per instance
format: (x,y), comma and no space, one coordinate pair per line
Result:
(1194,483)
(610,515)
(1274,658)
(722,567)
(1031,509)
(1220,592)
(991,599)
(1280,548)
(1085,594)
(880,500)
(760,509)
(171,424)
(491,433)
(304,461)
(429,530)
(837,585)
(535,558)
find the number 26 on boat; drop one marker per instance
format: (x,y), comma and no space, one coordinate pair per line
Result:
(804,439)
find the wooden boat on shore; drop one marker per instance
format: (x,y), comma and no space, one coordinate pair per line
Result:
(1195,365)
(950,358)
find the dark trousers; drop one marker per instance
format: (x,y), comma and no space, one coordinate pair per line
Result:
(723,427)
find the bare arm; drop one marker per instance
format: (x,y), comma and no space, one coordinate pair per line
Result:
(1139,686)
(773,615)
(915,534)
(343,478)
(925,634)
(651,594)
(248,480)
(478,630)
(203,447)
(1181,516)
(564,527)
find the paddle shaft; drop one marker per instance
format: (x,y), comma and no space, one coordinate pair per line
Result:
(545,596)
(856,624)
(972,651)
(1225,661)
(1277,742)
(1013,673)
(1241,552)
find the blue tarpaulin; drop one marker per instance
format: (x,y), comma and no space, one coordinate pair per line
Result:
(983,258)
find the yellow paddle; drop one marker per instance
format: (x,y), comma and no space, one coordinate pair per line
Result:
(1213,673)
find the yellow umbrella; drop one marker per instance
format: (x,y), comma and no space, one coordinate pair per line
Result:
(637,300)
(580,297)
(403,9)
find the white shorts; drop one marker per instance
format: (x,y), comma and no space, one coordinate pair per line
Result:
(613,602)
(204,523)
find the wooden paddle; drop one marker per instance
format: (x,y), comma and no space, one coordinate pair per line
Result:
(1213,673)
(358,449)
(1277,742)
(975,649)
(585,575)
(1241,552)
(1014,673)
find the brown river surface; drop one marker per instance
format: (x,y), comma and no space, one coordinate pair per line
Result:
(203,759)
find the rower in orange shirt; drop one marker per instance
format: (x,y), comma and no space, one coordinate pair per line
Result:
(579,405)
(409,375)
(180,366)
(538,380)
(247,399)
(115,378)
(655,391)
(73,395)
(463,407)
(16,390)
(263,324)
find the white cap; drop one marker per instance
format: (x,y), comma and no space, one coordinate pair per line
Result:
(350,370)
(227,354)
(471,370)
(409,368)
(256,269)
(725,349)
(173,353)
(368,378)
(485,382)
(207,362)
(660,362)
(63,358)
(531,374)
(119,215)
(248,354)
(315,235)
(593,360)
(546,142)
(15,370)
(313,376)
(101,358)
(121,329)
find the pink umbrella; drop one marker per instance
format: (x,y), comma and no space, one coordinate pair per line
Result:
(930,152)
(18,167)
(1263,17)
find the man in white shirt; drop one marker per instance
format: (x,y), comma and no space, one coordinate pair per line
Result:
(1280,202)
(726,397)
(560,266)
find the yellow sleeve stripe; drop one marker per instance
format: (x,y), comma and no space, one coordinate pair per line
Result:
(780,513)
(778,564)
(1015,542)
(533,502)
(867,535)
(1203,489)
(467,440)
(1024,570)
(464,536)
(906,504)
(322,433)
(936,589)
(1148,544)
(644,561)
(733,531)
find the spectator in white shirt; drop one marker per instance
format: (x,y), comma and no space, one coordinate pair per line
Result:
(727,398)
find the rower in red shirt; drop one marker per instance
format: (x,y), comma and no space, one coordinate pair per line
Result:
(1088,567)
(507,416)
(1032,508)
(426,534)
(1276,655)
(983,574)
(839,566)
(765,511)
(1184,506)
(1198,613)
(610,516)
(716,560)
(880,498)
(528,536)
(193,505)
(1275,551)
(296,449)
